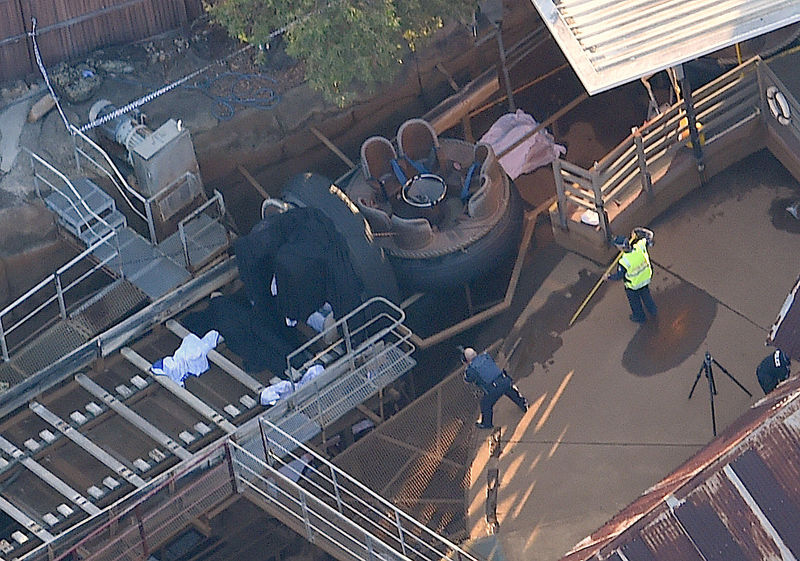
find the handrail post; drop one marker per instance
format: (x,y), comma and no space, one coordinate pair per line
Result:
(60,293)
(400,532)
(151,227)
(647,184)
(562,198)
(348,345)
(184,244)
(306,519)
(336,489)
(3,343)
(599,204)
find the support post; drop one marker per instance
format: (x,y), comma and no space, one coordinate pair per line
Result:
(599,205)
(512,107)
(560,194)
(647,185)
(691,119)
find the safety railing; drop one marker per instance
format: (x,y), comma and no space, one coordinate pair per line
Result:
(53,296)
(139,523)
(38,303)
(324,503)
(88,150)
(362,353)
(213,207)
(720,106)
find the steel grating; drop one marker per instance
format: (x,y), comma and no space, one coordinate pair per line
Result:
(107,307)
(56,342)
(356,386)
(424,455)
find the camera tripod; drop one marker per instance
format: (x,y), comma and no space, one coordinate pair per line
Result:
(712,387)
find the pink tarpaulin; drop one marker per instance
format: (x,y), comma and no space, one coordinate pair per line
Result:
(534,152)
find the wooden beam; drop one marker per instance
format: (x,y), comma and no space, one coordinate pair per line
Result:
(326,141)
(452,110)
(252,181)
(223,362)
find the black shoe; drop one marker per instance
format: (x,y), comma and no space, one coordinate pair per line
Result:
(524,405)
(482,425)
(634,319)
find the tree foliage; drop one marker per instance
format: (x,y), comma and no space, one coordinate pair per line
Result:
(345,45)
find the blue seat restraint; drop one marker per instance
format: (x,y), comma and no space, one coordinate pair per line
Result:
(470,172)
(398,172)
(416,165)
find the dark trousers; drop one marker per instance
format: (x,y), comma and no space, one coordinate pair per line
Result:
(504,385)
(638,297)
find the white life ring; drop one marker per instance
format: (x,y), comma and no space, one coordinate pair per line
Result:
(778,105)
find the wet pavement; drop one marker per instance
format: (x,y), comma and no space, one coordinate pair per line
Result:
(610,413)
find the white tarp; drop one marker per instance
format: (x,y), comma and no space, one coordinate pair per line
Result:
(534,152)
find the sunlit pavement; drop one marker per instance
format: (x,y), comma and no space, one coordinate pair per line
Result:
(610,414)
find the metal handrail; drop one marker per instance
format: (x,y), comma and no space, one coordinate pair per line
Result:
(215,199)
(630,163)
(130,190)
(390,518)
(341,325)
(60,290)
(69,184)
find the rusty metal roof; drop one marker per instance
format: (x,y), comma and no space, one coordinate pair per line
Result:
(613,42)
(737,499)
(785,332)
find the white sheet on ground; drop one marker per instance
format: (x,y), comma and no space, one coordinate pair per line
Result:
(534,152)
(189,360)
(279,390)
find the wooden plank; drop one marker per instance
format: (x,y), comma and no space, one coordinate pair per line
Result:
(180,392)
(84,442)
(223,362)
(450,112)
(133,417)
(48,477)
(252,181)
(25,521)
(333,148)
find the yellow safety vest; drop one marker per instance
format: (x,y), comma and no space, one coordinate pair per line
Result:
(637,266)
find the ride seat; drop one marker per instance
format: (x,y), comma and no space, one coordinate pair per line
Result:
(419,145)
(411,233)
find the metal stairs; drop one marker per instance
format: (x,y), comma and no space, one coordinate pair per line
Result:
(89,214)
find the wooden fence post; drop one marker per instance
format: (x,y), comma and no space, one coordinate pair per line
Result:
(599,205)
(562,198)
(642,158)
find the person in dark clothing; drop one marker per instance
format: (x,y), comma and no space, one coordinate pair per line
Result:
(773,370)
(482,371)
(634,267)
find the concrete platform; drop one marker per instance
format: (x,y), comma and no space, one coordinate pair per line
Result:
(610,413)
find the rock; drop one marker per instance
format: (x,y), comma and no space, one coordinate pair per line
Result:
(14,91)
(76,83)
(25,226)
(41,108)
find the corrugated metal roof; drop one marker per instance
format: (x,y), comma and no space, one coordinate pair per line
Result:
(613,42)
(737,499)
(785,332)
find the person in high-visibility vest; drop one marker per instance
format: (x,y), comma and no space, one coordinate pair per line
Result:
(634,267)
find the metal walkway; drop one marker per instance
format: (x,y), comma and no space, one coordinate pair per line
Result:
(81,468)
(56,317)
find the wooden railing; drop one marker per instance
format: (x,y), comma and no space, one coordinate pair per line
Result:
(720,106)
